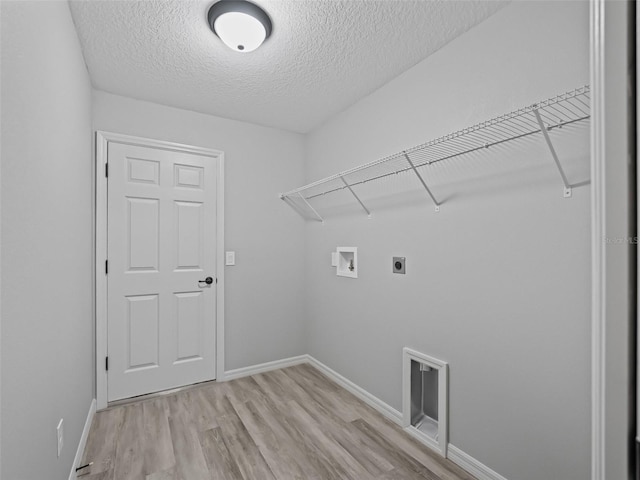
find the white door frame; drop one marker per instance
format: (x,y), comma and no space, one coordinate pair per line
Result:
(102,139)
(597,241)
(600,35)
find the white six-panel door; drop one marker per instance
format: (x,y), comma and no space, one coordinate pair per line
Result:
(161,315)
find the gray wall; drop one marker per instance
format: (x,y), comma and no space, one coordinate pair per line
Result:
(264,292)
(498,282)
(47,367)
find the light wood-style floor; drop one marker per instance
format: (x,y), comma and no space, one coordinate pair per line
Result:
(292,423)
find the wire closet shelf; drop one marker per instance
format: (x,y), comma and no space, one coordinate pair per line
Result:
(565,109)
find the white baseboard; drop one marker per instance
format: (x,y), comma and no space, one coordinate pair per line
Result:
(471,465)
(83,440)
(264,367)
(371,400)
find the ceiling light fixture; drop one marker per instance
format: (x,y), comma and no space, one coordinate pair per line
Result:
(241,25)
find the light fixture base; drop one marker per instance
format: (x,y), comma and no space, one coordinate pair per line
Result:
(238,8)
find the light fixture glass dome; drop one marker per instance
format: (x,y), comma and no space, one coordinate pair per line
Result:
(240,24)
(239,31)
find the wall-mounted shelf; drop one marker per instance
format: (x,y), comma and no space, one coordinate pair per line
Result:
(541,117)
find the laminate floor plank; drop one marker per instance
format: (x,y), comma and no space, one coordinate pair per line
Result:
(349,438)
(106,475)
(208,403)
(202,410)
(157,443)
(324,396)
(313,405)
(299,429)
(106,427)
(243,449)
(324,464)
(446,469)
(242,390)
(318,377)
(129,460)
(288,424)
(401,472)
(190,462)
(221,465)
(164,475)
(397,456)
(333,450)
(271,387)
(305,456)
(219,398)
(275,450)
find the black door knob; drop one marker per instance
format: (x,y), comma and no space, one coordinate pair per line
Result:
(208,280)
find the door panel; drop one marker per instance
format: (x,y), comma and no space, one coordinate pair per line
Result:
(142,234)
(189,248)
(143,316)
(161,242)
(189,306)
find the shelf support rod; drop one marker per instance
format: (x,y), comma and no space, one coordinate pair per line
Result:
(543,129)
(356,196)
(312,209)
(413,167)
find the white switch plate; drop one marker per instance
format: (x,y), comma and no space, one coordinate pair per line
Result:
(334,259)
(60,431)
(230,258)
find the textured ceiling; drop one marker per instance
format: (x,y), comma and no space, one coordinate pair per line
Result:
(322,56)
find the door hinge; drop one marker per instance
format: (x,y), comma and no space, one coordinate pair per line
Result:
(106,170)
(106,363)
(106,267)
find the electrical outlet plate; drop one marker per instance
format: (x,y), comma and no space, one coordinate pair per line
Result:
(230,258)
(399,265)
(60,432)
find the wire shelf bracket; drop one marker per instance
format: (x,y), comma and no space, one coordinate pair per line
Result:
(415,170)
(356,196)
(543,129)
(311,208)
(565,109)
